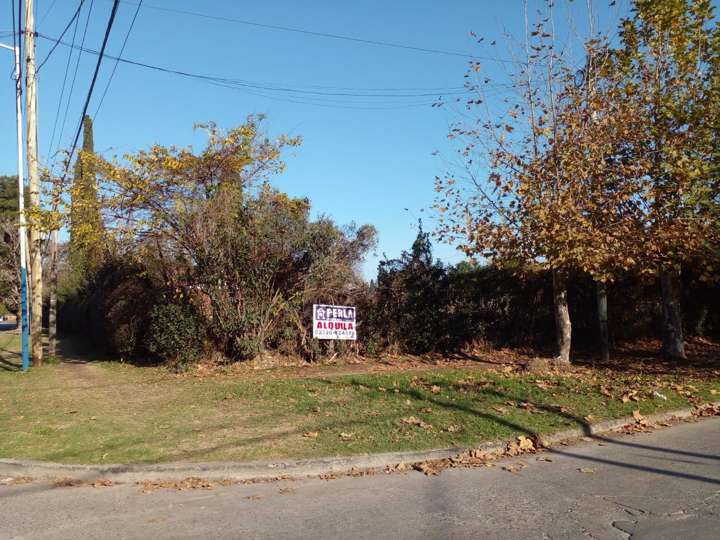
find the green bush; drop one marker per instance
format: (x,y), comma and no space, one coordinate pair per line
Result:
(176,335)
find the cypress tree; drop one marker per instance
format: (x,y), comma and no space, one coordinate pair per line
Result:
(87,238)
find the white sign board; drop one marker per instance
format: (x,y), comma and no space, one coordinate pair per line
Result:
(333,322)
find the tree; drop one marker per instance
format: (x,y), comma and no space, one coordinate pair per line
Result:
(87,231)
(412,296)
(9,244)
(668,58)
(209,226)
(547,181)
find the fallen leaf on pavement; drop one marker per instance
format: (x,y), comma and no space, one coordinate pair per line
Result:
(586,470)
(428,468)
(639,418)
(102,483)
(525,443)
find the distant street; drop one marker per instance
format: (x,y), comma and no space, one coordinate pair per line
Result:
(660,485)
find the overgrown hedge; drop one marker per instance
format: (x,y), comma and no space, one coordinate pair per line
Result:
(417,306)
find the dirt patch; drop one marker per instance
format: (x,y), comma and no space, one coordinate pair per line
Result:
(82,373)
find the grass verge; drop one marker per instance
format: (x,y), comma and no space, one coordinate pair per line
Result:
(113,413)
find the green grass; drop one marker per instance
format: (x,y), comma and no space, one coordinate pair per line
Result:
(114,413)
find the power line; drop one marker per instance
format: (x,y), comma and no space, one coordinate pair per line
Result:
(67,26)
(64,84)
(266,87)
(117,60)
(47,12)
(116,3)
(319,34)
(75,73)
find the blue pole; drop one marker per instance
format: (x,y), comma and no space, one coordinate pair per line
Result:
(24,319)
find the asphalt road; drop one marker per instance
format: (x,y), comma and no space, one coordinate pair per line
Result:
(664,484)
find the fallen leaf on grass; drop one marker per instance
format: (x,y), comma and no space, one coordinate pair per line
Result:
(630,396)
(310,434)
(501,410)
(589,418)
(412,421)
(435,389)
(453,428)
(347,436)
(529,407)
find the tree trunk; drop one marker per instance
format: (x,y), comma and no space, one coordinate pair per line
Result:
(563,327)
(601,295)
(673,346)
(52,312)
(701,320)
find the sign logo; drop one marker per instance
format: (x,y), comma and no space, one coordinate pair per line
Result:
(333,322)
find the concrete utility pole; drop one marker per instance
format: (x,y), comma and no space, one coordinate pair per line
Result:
(34,177)
(24,320)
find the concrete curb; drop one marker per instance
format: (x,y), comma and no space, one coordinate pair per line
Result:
(294,469)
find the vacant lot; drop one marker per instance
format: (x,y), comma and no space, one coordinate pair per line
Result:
(113,413)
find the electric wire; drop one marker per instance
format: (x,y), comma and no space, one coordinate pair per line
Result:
(74,78)
(265,87)
(319,34)
(47,12)
(67,26)
(116,3)
(117,60)
(64,84)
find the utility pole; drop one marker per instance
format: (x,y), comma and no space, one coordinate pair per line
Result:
(34,177)
(24,320)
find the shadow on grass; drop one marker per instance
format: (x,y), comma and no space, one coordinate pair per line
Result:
(423,396)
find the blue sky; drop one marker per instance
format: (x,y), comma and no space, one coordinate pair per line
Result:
(363,160)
